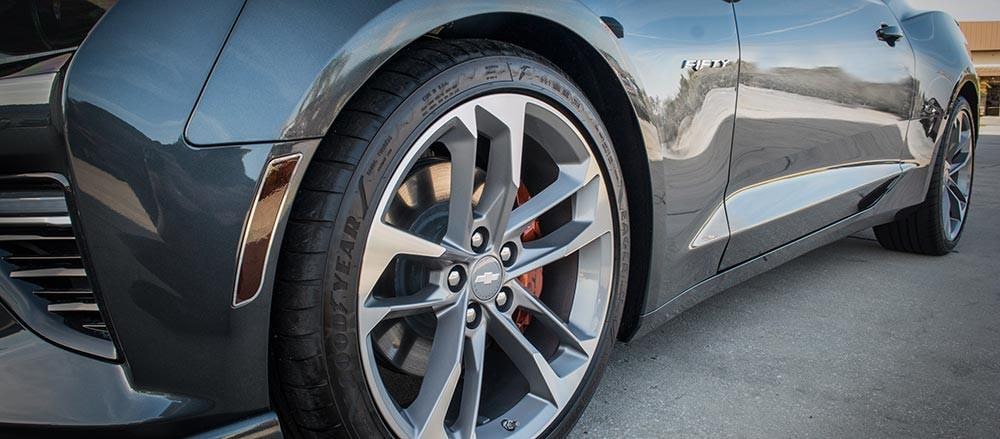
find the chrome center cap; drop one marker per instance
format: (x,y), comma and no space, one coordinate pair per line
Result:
(487,276)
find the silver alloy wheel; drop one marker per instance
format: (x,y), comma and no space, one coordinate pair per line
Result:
(470,325)
(957,178)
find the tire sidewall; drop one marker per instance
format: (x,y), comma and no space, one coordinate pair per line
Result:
(450,88)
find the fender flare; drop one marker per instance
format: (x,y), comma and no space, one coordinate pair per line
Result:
(300,85)
(285,73)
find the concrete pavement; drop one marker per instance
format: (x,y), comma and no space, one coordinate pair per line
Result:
(849,340)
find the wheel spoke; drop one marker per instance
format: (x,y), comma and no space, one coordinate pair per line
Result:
(572,178)
(375,310)
(542,378)
(959,201)
(589,223)
(428,410)
(385,242)
(461,144)
(960,158)
(957,193)
(954,139)
(472,381)
(501,118)
(567,335)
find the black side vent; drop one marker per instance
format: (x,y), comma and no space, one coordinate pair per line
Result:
(40,255)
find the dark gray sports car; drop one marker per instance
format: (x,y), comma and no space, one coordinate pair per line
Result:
(426,217)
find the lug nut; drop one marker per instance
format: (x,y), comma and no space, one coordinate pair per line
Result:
(455,278)
(478,238)
(507,254)
(501,299)
(470,315)
(509,424)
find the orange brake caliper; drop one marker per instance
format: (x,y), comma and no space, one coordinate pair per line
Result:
(532,280)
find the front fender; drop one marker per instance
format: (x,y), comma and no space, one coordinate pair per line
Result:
(943,67)
(289,67)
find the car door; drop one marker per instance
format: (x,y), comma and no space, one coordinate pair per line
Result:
(825,93)
(685,55)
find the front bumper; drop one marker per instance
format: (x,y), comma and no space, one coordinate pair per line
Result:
(160,224)
(44,385)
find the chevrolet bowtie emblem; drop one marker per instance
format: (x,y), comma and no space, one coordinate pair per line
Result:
(487,278)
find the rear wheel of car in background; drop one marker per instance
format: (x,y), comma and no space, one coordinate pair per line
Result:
(455,259)
(935,227)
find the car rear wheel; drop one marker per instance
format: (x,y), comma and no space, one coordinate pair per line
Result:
(935,227)
(454,265)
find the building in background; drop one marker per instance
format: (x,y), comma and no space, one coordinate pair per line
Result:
(984,42)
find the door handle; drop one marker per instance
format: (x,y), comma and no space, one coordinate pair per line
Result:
(889,34)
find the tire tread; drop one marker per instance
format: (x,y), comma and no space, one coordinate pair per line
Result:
(922,230)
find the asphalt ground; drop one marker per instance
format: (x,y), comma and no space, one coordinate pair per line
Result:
(848,341)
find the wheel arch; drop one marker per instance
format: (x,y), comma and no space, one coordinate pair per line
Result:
(968,88)
(300,86)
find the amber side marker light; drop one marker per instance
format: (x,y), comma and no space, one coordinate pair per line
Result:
(260,227)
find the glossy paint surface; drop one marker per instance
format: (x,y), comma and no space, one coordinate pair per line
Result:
(302,75)
(162,220)
(41,386)
(942,67)
(687,119)
(940,59)
(808,102)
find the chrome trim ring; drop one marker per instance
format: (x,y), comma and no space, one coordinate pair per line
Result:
(530,378)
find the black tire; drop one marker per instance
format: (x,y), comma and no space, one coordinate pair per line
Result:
(319,386)
(923,230)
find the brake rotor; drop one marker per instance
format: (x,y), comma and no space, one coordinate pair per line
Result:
(420,207)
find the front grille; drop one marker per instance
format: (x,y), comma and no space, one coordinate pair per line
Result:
(39,253)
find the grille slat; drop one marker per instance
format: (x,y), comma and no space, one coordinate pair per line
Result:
(73,307)
(48,272)
(35,221)
(41,258)
(7,238)
(31,203)
(39,252)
